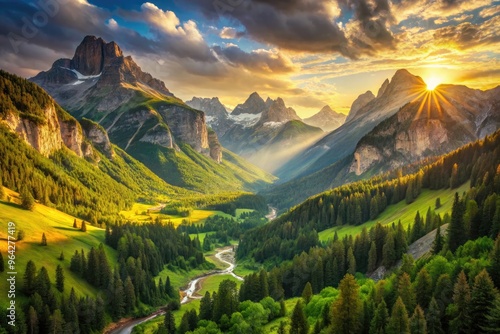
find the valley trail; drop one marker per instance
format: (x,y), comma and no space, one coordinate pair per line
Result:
(224,255)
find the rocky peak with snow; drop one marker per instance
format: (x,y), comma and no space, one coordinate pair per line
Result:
(278,112)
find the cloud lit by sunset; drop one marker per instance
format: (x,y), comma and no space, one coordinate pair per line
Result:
(310,53)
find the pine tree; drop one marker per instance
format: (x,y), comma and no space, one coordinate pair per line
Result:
(494,269)
(42,283)
(59,278)
(61,256)
(398,323)
(299,324)
(433,318)
(418,324)
(380,319)
(437,245)
(75,225)
(130,299)
(423,288)
(438,203)
(56,322)
(493,318)
(388,252)
(461,299)
(169,322)
(206,307)
(372,258)
(417,230)
(30,278)
(351,262)
(405,291)
(2,191)
(84,226)
(307,293)
(2,265)
(482,297)
(100,314)
(27,200)
(44,240)
(347,309)
(32,321)
(456,235)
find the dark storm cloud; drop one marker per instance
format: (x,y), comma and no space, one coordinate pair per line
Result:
(308,25)
(257,61)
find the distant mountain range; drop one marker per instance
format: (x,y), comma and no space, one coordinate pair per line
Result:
(268,133)
(403,124)
(145,119)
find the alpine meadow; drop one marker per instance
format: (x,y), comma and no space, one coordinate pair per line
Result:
(249,167)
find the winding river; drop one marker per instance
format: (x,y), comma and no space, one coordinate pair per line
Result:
(225,255)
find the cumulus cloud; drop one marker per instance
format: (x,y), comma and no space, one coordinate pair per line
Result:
(264,61)
(311,26)
(230,33)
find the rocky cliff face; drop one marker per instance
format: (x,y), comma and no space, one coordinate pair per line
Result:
(326,119)
(253,105)
(51,135)
(98,137)
(215,147)
(216,114)
(435,124)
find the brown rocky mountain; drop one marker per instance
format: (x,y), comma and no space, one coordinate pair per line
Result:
(142,117)
(253,105)
(362,101)
(326,119)
(216,114)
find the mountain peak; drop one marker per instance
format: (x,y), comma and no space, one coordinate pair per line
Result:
(253,105)
(382,88)
(278,112)
(93,54)
(359,103)
(404,77)
(326,119)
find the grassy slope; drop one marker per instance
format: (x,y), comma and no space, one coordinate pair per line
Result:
(61,236)
(402,211)
(190,169)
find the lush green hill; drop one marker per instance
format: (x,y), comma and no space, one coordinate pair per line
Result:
(402,212)
(189,169)
(61,237)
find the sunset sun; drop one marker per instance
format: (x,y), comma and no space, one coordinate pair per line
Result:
(433,82)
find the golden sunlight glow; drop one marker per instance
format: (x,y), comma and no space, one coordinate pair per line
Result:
(432,83)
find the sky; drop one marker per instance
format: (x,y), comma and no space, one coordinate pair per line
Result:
(309,52)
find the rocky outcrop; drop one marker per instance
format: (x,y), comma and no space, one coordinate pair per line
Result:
(215,146)
(98,137)
(72,136)
(253,105)
(326,119)
(187,125)
(278,113)
(358,104)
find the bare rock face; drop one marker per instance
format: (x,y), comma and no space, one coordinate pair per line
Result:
(187,125)
(72,136)
(253,105)
(215,146)
(216,114)
(359,103)
(159,135)
(98,137)
(278,113)
(93,54)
